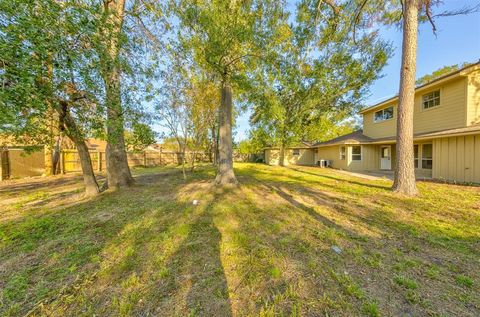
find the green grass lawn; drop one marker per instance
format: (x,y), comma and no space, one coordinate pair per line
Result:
(262,248)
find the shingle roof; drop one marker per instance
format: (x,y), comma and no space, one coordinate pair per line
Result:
(354,137)
(358,137)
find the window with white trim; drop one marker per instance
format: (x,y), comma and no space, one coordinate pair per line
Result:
(427,156)
(415,155)
(431,99)
(383,114)
(356,153)
(296,151)
(343,153)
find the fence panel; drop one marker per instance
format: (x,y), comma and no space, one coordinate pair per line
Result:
(25,164)
(16,163)
(4,165)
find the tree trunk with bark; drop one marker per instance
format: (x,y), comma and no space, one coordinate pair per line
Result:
(225,174)
(404,168)
(57,149)
(91,185)
(118,172)
(74,133)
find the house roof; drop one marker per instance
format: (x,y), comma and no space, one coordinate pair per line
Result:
(461,72)
(474,129)
(356,137)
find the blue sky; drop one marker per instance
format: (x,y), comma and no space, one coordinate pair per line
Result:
(457,41)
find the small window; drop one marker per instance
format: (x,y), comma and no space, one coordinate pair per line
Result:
(427,158)
(383,114)
(296,152)
(431,100)
(415,155)
(356,153)
(342,153)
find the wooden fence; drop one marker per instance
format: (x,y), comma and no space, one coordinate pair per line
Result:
(18,163)
(70,161)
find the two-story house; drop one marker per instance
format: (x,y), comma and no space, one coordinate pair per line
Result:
(446,132)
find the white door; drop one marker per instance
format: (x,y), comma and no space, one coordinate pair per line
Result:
(386,157)
(315,158)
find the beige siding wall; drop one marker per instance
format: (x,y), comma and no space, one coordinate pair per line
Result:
(380,129)
(473,97)
(370,158)
(450,114)
(272,157)
(332,153)
(457,159)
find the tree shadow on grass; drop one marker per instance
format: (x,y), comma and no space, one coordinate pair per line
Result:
(310,210)
(195,283)
(43,253)
(339,179)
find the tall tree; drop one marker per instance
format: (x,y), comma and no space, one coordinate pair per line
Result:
(226,38)
(408,14)
(317,76)
(43,65)
(404,170)
(118,172)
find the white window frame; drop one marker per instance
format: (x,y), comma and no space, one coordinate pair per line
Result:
(427,158)
(296,152)
(383,115)
(431,97)
(343,154)
(361,153)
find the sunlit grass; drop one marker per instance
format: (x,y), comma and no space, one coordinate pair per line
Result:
(263,248)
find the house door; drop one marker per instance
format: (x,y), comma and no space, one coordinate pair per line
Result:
(386,157)
(315,157)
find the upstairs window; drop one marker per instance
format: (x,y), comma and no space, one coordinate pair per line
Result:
(431,100)
(342,153)
(356,153)
(383,114)
(296,152)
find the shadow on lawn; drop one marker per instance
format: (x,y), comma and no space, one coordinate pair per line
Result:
(47,257)
(339,179)
(157,254)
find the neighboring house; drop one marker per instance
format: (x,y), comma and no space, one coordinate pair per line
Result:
(446,132)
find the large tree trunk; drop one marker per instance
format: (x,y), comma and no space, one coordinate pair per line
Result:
(56,154)
(225,174)
(91,185)
(404,170)
(118,172)
(74,133)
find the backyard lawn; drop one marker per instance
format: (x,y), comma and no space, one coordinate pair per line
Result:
(287,241)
